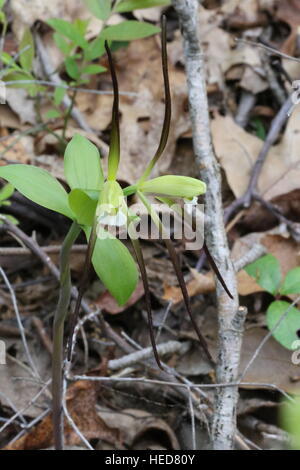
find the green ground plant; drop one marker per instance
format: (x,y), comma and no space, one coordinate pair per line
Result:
(266,272)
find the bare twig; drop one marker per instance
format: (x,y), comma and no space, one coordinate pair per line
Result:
(274,131)
(22,411)
(20,325)
(170,347)
(71,421)
(38,324)
(231,318)
(68,87)
(50,250)
(253,253)
(268,49)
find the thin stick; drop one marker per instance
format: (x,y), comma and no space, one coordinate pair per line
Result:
(231,319)
(269,49)
(67,87)
(20,325)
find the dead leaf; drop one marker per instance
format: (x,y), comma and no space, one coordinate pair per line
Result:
(109,304)
(21,104)
(21,391)
(8,118)
(24,14)
(81,402)
(237,151)
(243,14)
(222,55)
(16,149)
(272,366)
(137,426)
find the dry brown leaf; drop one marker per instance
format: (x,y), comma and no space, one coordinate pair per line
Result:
(109,304)
(19,101)
(149,14)
(200,284)
(9,119)
(237,151)
(16,149)
(20,391)
(272,366)
(205,284)
(81,402)
(138,426)
(222,55)
(24,14)
(244,14)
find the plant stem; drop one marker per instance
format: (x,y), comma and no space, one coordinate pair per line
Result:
(68,114)
(58,334)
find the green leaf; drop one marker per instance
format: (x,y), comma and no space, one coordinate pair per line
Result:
(39,186)
(72,68)
(6,192)
(59,95)
(93,69)
(266,272)
(115,266)
(100,8)
(82,164)
(63,45)
(95,49)
(52,114)
(291,283)
(81,26)
(173,185)
(68,30)
(130,5)
(2,3)
(290,421)
(26,50)
(83,206)
(129,30)
(286,332)
(8,60)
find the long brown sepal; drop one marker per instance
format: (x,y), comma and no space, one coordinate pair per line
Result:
(141,263)
(216,270)
(175,262)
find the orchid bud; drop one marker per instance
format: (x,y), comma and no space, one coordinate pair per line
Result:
(173,185)
(111,209)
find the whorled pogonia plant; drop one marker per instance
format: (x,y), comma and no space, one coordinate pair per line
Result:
(95,203)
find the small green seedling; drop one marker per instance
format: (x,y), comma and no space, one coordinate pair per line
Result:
(95,203)
(79,53)
(266,272)
(5,193)
(21,72)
